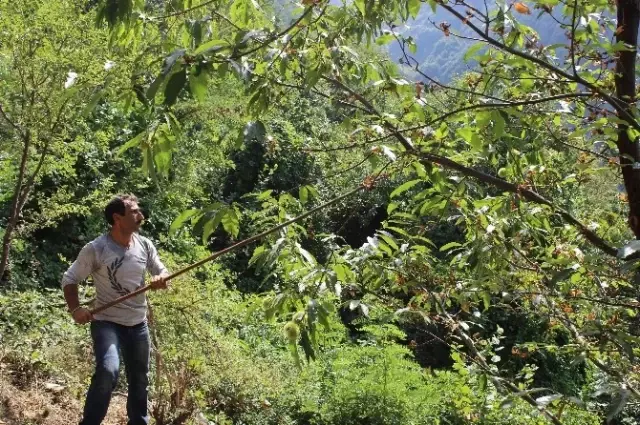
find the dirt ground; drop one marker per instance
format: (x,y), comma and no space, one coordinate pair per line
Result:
(48,403)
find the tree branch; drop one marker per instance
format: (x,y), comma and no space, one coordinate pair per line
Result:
(614,101)
(573,38)
(557,140)
(9,121)
(275,36)
(521,190)
(191,9)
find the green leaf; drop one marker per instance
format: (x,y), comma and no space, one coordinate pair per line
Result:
(413,6)
(471,137)
(361,7)
(257,254)
(305,343)
(312,312)
(341,272)
(293,348)
(433,4)
(169,63)
(240,12)
(384,39)
(472,51)
(389,240)
(135,141)
(404,187)
(181,219)
(486,299)
(633,134)
(148,165)
(210,45)
(450,245)
(498,124)
(413,47)
(323,317)
(212,224)
(304,194)
(198,84)
(174,86)
(482,382)
(231,222)
(560,276)
(162,150)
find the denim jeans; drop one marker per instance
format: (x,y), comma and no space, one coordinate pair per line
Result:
(108,339)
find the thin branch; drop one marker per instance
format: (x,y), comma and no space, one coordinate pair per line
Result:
(494,105)
(275,36)
(486,9)
(573,38)
(224,18)
(519,78)
(451,33)
(350,168)
(614,101)
(9,121)
(408,58)
(557,140)
(183,12)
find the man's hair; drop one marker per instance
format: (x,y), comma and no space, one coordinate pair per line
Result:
(117,206)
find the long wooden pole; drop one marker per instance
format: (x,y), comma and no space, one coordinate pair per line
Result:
(229,249)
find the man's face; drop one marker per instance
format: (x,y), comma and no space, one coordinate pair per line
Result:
(132,219)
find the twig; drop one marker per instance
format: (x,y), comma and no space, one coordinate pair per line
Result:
(9,121)
(275,36)
(573,37)
(183,12)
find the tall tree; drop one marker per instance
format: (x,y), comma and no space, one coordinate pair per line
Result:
(55,68)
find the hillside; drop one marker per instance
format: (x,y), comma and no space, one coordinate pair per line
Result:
(442,57)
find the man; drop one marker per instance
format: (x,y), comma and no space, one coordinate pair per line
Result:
(117,261)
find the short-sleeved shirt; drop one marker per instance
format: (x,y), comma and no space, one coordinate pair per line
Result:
(117,271)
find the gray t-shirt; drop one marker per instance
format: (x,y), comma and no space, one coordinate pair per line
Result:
(117,271)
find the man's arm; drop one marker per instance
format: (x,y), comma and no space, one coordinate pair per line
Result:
(78,272)
(71,296)
(154,265)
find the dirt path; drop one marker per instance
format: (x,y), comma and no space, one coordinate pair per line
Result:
(47,403)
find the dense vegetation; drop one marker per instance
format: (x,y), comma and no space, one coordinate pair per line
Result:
(482,269)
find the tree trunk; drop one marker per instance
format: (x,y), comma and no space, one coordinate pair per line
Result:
(628,20)
(16,207)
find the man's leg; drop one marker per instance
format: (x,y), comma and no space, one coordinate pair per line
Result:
(135,352)
(105,377)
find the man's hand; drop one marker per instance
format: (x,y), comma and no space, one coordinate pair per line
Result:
(82,315)
(159,281)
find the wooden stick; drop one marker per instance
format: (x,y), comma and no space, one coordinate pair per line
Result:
(227,250)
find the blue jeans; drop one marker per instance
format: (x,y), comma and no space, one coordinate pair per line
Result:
(108,339)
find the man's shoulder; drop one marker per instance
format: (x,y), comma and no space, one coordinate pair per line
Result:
(99,241)
(146,242)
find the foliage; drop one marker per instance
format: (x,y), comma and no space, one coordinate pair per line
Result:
(491,215)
